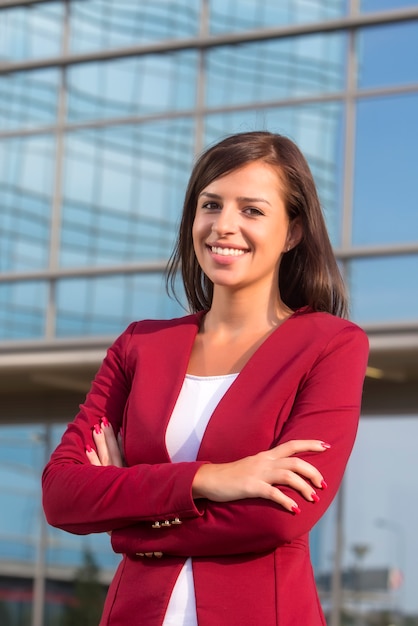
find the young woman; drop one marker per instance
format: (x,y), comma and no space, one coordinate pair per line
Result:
(237,420)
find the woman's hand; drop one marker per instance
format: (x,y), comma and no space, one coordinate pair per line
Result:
(257,476)
(251,477)
(109,449)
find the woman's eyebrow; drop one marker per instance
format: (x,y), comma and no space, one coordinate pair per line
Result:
(216,196)
(247,199)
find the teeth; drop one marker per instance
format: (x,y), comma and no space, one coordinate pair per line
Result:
(227,251)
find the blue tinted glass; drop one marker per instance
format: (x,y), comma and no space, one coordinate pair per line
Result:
(383,289)
(383,5)
(379,546)
(388,55)
(386,182)
(106,305)
(114,23)
(134,86)
(22,455)
(274,70)
(22,310)
(316,129)
(28,98)
(235,15)
(123,192)
(31,32)
(384,443)
(26,187)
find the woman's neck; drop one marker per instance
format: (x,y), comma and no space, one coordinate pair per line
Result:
(236,313)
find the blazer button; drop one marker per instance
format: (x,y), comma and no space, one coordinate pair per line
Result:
(176,521)
(156,525)
(158,555)
(139,554)
(166,523)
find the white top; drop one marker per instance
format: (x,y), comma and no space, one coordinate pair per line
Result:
(198,399)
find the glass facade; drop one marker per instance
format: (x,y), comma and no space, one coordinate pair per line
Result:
(104,105)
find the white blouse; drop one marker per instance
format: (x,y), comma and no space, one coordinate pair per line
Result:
(198,399)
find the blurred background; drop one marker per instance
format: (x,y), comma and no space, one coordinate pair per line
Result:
(104,105)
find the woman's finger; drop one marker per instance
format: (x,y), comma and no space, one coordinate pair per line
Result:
(295,446)
(276,495)
(304,469)
(294,481)
(113,451)
(92,456)
(101,445)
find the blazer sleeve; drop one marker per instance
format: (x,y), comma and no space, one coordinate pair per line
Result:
(326,407)
(82,498)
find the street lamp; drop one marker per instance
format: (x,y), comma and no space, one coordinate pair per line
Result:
(396,573)
(360,550)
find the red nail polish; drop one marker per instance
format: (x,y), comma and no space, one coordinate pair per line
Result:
(315,497)
(324,484)
(97,429)
(325,445)
(105,421)
(89,448)
(296,510)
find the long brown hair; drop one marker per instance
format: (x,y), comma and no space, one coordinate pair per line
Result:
(308,274)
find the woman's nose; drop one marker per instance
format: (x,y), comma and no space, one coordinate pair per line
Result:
(226,221)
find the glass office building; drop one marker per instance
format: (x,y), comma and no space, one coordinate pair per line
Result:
(104,105)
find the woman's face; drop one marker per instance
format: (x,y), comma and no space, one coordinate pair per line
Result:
(241,227)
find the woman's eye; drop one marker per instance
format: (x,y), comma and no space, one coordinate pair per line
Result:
(252,210)
(210,206)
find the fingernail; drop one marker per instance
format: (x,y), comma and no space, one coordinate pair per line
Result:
(89,448)
(324,484)
(325,445)
(105,421)
(97,429)
(296,510)
(315,496)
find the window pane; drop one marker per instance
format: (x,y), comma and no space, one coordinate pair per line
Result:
(383,5)
(235,15)
(22,310)
(123,192)
(105,306)
(134,86)
(28,98)
(26,180)
(106,24)
(273,70)
(387,55)
(23,453)
(384,289)
(31,32)
(379,570)
(317,130)
(385,181)
(383,467)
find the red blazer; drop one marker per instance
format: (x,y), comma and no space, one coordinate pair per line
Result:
(251,559)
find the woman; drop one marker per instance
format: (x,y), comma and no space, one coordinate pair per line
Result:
(238,420)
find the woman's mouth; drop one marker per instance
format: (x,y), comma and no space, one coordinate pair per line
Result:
(224,251)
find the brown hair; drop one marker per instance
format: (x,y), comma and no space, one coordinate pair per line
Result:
(308,274)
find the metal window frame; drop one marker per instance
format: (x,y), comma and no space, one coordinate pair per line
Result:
(205,41)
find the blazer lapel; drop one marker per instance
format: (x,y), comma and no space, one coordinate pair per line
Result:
(246,419)
(162,361)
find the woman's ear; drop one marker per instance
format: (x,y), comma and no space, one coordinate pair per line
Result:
(294,235)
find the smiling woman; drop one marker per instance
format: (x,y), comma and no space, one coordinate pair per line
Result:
(210,445)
